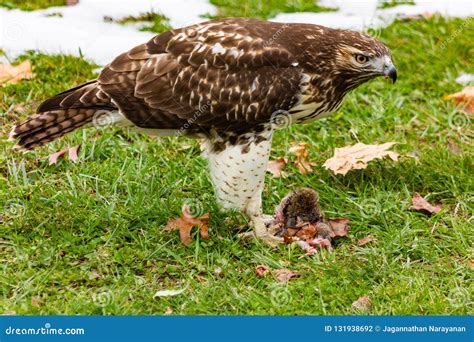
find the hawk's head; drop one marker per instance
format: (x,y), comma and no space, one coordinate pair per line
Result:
(347,58)
(361,58)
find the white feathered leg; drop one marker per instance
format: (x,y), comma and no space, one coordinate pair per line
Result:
(238,174)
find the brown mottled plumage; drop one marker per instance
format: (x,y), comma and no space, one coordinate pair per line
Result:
(231,82)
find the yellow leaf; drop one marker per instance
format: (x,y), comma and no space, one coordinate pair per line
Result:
(10,74)
(464,99)
(357,157)
(275,167)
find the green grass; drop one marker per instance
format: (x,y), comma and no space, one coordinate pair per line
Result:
(88,238)
(31,5)
(393,3)
(155,22)
(263,9)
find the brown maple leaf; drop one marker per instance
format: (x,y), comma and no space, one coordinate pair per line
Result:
(464,99)
(283,275)
(340,226)
(306,232)
(366,240)
(275,167)
(261,270)
(420,204)
(72,153)
(363,304)
(35,301)
(302,163)
(357,157)
(186,222)
(10,74)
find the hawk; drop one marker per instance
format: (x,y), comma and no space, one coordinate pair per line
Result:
(231,82)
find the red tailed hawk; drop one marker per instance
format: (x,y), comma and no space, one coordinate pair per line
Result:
(231,82)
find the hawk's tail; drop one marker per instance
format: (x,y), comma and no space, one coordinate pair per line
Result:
(62,114)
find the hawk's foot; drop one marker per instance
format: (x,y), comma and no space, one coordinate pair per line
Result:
(261,232)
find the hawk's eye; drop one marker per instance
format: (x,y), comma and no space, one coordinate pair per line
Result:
(361,59)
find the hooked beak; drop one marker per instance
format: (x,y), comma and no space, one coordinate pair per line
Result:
(390,71)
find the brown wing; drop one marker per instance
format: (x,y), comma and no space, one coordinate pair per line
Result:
(225,74)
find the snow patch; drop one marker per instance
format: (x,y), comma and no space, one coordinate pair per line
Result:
(82,29)
(465,79)
(363,14)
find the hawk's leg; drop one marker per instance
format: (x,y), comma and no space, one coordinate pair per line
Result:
(260,230)
(237,166)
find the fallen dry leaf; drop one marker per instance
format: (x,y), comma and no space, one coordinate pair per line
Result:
(470,264)
(53,158)
(10,74)
(363,303)
(283,275)
(420,204)
(453,147)
(186,222)
(204,231)
(168,293)
(218,272)
(94,274)
(35,301)
(275,167)
(429,15)
(308,231)
(9,313)
(72,153)
(422,16)
(357,157)
(340,226)
(464,99)
(302,163)
(261,270)
(366,240)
